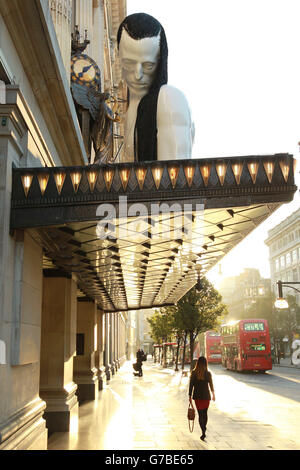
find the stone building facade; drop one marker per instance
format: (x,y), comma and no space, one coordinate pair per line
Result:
(284,252)
(56,347)
(240,292)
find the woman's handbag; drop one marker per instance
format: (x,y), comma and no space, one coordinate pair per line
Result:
(191,417)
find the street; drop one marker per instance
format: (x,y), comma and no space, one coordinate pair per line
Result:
(252,412)
(269,400)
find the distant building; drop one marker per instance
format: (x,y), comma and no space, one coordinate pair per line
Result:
(148,342)
(240,292)
(284,252)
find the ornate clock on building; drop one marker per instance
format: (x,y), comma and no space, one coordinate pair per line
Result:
(85,71)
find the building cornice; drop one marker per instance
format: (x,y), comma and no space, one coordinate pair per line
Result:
(31,28)
(278,231)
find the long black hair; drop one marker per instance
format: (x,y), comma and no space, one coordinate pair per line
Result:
(200,368)
(139,26)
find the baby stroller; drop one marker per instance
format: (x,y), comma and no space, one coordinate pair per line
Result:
(138,369)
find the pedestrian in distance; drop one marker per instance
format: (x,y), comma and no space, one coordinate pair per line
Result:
(140,357)
(200,386)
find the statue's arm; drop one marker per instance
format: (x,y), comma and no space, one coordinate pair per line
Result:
(175,129)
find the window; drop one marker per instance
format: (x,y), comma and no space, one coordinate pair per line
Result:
(277,264)
(254,326)
(288,259)
(294,256)
(282,261)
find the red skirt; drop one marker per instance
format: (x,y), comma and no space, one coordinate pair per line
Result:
(202,404)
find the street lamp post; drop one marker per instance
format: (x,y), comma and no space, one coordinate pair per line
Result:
(281,303)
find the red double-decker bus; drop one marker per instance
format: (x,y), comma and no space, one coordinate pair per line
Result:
(212,341)
(245,345)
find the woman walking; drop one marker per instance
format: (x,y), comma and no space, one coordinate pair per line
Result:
(200,383)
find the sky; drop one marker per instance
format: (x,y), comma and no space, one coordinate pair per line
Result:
(238,64)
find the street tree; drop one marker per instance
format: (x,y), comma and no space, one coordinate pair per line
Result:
(161,328)
(199,311)
(177,327)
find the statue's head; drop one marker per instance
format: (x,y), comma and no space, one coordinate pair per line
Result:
(143,52)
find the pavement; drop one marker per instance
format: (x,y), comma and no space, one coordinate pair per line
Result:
(150,413)
(286,362)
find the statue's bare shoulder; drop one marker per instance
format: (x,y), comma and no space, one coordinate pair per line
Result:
(172,106)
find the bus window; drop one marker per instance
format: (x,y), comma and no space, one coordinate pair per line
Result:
(254,326)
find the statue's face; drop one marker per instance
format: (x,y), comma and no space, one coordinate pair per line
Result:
(139,60)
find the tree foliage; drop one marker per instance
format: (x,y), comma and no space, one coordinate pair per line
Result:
(161,327)
(200,311)
(194,313)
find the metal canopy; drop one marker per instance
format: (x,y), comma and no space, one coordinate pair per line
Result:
(136,236)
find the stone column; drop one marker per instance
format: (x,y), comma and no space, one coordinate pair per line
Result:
(122,339)
(117,342)
(99,354)
(107,347)
(21,409)
(58,346)
(112,343)
(85,372)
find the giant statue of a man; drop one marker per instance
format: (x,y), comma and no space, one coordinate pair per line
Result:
(158,123)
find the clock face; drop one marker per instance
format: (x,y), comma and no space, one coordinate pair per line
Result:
(84,70)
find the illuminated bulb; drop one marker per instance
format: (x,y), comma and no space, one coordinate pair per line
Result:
(173,173)
(189,174)
(141,174)
(59,180)
(253,169)
(92,178)
(284,170)
(43,181)
(269,168)
(294,164)
(237,171)
(281,303)
(221,171)
(157,174)
(26,181)
(125,177)
(76,178)
(108,177)
(205,172)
